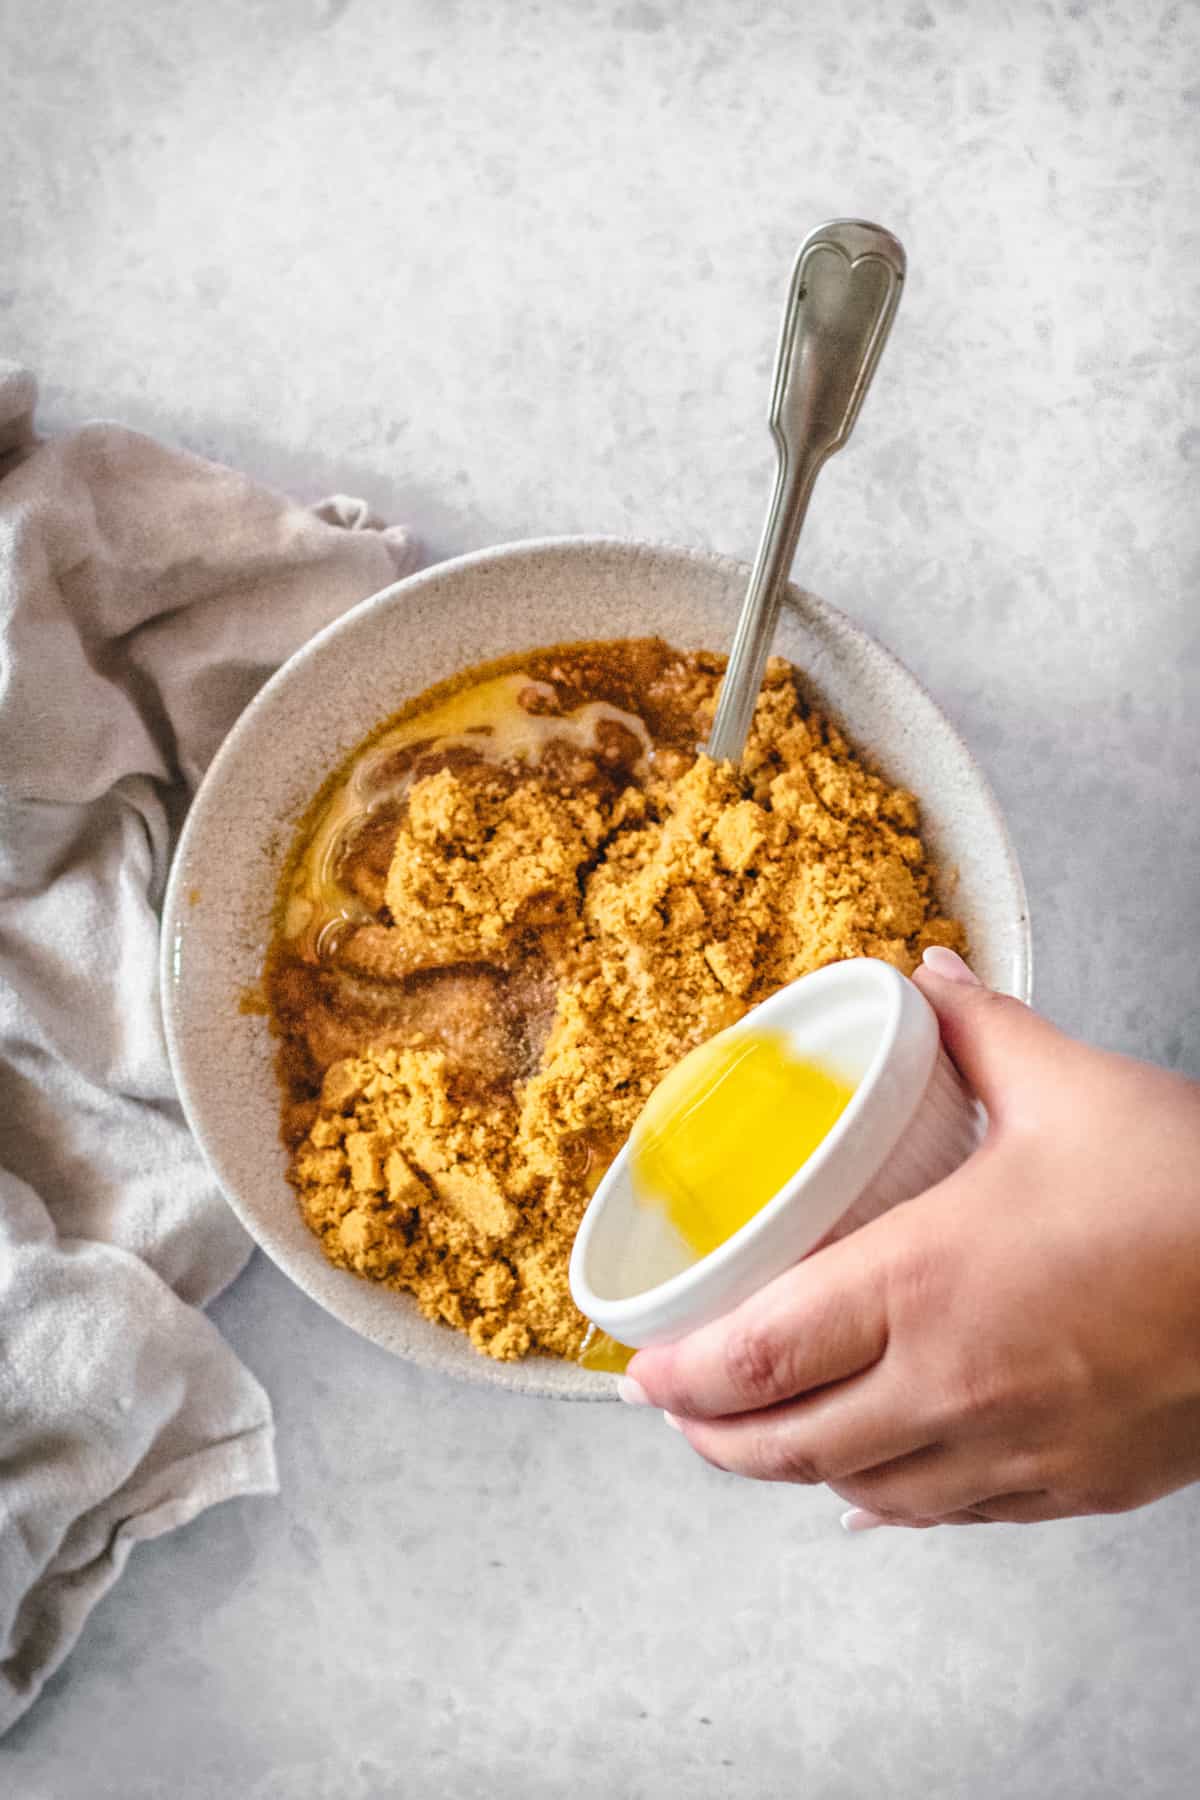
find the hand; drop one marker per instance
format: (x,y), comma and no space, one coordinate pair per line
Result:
(1021,1342)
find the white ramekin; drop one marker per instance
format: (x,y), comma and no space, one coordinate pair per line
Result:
(910,1123)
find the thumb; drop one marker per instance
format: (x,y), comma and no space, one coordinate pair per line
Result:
(1005,1052)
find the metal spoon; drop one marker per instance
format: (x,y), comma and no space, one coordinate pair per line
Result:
(843,296)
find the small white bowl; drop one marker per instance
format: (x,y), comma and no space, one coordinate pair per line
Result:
(217,911)
(910,1123)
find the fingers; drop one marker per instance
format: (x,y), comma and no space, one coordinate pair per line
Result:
(828,1436)
(917,1487)
(1001,1509)
(1003,1049)
(822,1321)
(933,1483)
(961,1485)
(1021,1509)
(858,1519)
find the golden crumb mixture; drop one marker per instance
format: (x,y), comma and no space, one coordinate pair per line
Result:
(536,899)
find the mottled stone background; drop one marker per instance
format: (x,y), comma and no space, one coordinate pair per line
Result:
(516,268)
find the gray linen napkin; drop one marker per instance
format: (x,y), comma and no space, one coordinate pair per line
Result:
(145,595)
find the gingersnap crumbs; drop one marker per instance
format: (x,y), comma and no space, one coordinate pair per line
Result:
(528,942)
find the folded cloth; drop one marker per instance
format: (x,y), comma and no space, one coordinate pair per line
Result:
(144,596)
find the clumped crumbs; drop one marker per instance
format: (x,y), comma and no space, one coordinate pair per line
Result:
(621,919)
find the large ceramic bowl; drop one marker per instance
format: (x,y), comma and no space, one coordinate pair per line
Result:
(322,702)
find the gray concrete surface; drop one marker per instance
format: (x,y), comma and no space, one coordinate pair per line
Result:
(516,268)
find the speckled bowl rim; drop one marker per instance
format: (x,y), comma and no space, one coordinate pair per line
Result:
(313,1274)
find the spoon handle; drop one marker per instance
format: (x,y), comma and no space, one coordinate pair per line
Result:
(843,296)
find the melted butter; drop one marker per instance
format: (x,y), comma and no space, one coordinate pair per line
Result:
(486,717)
(599,1351)
(726,1129)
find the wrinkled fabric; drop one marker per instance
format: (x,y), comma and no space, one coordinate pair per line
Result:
(145,595)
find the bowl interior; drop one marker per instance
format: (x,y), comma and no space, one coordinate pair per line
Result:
(324,701)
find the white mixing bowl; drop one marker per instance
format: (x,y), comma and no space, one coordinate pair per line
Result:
(324,701)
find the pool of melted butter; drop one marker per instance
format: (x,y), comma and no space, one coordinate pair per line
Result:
(727,1128)
(491,719)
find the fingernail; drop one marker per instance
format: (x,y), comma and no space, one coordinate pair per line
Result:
(857,1519)
(632,1392)
(673,1422)
(949,965)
